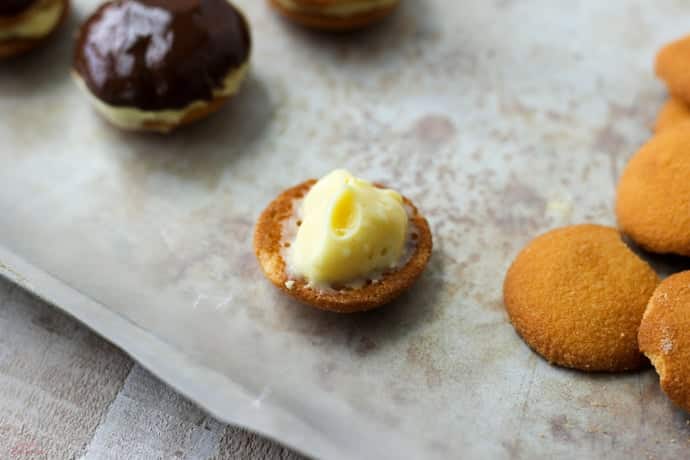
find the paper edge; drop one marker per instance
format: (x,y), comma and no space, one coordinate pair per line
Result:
(230,403)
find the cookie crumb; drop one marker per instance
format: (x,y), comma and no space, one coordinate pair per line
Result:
(558,208)
(666,345)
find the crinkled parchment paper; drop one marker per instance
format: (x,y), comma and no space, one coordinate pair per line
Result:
(500,119)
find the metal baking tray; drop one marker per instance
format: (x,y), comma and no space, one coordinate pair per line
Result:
(500,119)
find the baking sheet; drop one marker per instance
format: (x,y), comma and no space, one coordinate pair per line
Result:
(500,119)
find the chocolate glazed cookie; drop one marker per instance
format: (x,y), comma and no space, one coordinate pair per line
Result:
(158,64)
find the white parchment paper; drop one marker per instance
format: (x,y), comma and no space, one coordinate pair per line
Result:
(500,119)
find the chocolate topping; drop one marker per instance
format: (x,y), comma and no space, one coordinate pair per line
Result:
(14,7)
(160,54)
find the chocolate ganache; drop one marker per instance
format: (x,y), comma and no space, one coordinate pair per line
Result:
(14,7)
(160,54)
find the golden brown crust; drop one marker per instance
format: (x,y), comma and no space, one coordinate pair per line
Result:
(654,192)
(268,244)
(673,112)
(665,336)
(195,114)
(17,47)
(673,66)
(332,23)
(576,295)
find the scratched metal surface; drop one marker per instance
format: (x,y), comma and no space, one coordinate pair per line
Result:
(500,118)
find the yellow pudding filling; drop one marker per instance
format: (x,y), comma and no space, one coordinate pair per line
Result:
(36,22)
(350,229)
(340,9)
(132,118)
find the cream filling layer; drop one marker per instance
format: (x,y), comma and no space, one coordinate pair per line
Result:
(350,230)
(37,22)
(339,9)
(132,118)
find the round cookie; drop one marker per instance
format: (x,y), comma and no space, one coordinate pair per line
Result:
(155,65)
(335,14)
(673,67)
(653,197)
(672,113)
(665,336)
(269,243)
(576,295)
(26,24)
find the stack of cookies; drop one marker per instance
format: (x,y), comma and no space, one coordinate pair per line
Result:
(653,208)
(582,299)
